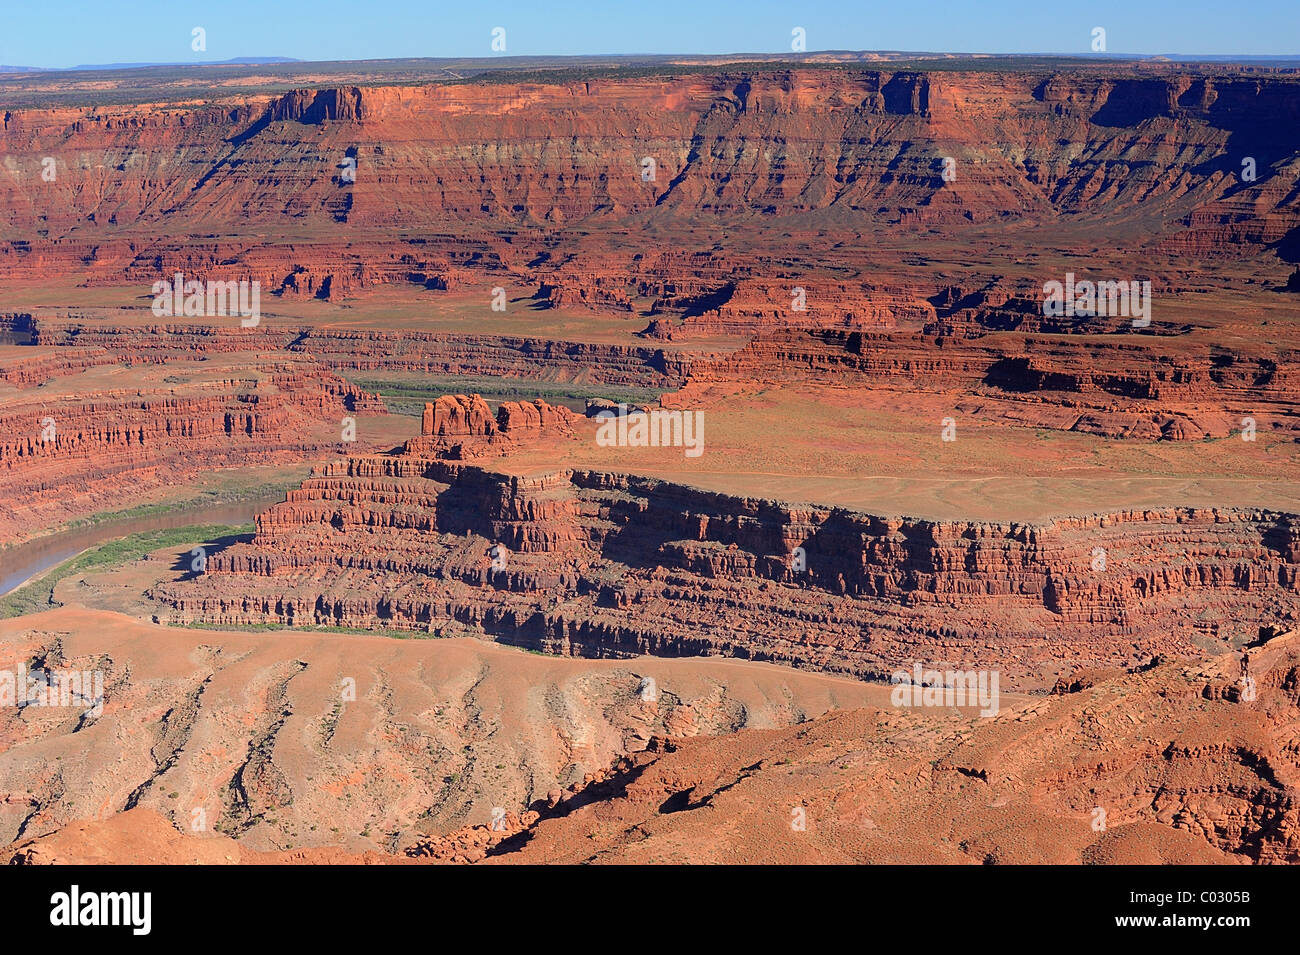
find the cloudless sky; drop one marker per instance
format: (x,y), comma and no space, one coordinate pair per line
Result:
(60,33)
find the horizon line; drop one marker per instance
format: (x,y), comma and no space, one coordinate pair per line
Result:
(810,58)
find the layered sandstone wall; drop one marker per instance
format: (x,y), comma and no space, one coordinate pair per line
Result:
(71,454)
(1140,387)
(71,340)
(602,564)
(1135,388)
(779,142)
(469,185)
(505,355)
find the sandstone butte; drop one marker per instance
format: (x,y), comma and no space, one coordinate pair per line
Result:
(797,249)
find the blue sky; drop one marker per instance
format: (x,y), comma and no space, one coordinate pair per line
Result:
(54,33)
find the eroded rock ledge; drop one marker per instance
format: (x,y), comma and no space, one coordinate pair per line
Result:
(63,454)
(599,564)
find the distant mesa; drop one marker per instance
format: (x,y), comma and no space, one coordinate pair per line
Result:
(233,61)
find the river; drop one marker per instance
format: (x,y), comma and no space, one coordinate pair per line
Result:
(21,563)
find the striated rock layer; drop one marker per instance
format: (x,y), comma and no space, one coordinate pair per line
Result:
(475,185)
(86,338)
(597,564)
(1135,388)
(1144,387)
(65,450)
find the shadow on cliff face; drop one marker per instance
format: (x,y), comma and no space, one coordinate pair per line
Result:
(624,773)
(1013,374)
(708,301)
(645,528)
(1288,250)
(463,508)
(1284,537)
(185,561)
(1131,102)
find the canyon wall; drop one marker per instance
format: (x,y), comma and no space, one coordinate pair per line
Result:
(598,564)
(1137,387)
(1148,387)
(71,452)
(440,187)
(86,338)
(774,142)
